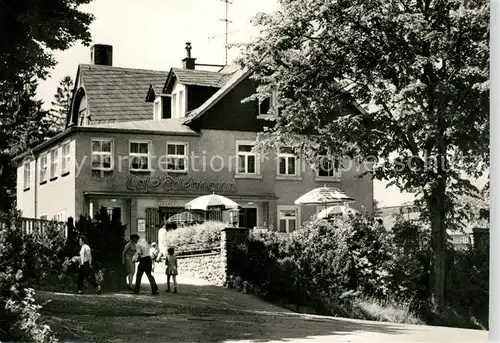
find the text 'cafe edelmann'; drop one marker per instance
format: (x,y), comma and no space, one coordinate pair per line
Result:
(178,184)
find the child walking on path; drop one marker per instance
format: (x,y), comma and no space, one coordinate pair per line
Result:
(171,270)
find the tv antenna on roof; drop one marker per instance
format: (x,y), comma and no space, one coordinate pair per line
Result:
(226,22)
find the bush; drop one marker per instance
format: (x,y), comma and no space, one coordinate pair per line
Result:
(412,263)
(467,287)
(262,266)
(25,260)
(27,325)
(350,267)
(467,278)
(198,237)
(339,257)
(318,264)
(33,256)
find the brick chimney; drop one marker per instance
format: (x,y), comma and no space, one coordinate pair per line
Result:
(101,54)
(188,62)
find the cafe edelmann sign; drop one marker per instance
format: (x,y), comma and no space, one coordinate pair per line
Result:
(182,184)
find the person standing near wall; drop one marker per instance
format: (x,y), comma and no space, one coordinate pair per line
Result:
(127,259)
(161,237)
(145,266)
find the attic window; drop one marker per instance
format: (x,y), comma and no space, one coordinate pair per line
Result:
(84,120)
(267,105)
(264,106)
(157,108)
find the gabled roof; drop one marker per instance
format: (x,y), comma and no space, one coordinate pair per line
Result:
(153,92)
(118,94)
(191,77)
(232,82)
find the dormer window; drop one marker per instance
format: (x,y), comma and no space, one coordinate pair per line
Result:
(179,101)
(174,105)
(157,108)
(267,105)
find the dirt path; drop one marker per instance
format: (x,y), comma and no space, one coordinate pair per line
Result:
(201,312)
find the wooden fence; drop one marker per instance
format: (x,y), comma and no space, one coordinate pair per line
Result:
(31,225)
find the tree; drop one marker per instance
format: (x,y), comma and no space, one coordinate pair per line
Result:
(62,105)
(26,126)
(420,67)
(35,30)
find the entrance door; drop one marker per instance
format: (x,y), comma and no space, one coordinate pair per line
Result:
(248,217)
(152,224)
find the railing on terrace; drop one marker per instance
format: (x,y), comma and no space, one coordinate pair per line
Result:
(32,225)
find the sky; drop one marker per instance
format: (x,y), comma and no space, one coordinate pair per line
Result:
(151,34)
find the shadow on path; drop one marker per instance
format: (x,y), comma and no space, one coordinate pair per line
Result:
(207,313)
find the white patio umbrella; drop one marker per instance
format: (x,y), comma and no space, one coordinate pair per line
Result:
(211,201)
(324,196)
(338,209)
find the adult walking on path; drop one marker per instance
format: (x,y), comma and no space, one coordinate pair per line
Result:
(145,266)
(85,271)
(127,259)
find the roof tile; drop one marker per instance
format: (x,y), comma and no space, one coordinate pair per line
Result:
(119,94)
(201,77)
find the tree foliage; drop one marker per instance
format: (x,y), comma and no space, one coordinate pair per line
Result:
(35,30)
(26,261)
(420,67)
(62,104)
(23,125)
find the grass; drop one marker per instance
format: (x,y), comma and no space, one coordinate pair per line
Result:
(385,311)
(400,312)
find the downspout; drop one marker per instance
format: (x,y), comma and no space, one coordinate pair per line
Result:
(35,186)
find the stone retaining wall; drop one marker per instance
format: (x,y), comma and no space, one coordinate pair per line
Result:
(209,267)
(214,267)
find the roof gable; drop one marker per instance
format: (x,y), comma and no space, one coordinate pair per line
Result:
(191,77)
(235,79)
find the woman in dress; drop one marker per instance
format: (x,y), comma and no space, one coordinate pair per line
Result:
(128,259)
(85,261)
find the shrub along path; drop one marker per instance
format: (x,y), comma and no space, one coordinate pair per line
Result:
(207,313)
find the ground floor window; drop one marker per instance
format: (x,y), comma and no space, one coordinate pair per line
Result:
(248,217)
(288,218)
